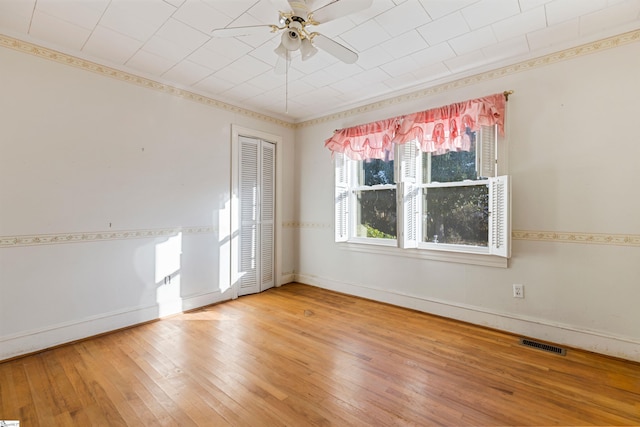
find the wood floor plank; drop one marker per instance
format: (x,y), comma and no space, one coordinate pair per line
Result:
(303,356)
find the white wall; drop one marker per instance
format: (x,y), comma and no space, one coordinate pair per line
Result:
(83,155)
(72,167)
(573,156)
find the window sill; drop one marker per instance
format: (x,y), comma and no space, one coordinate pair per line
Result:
(461,257)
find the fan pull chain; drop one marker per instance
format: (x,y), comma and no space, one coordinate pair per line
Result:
(286,83)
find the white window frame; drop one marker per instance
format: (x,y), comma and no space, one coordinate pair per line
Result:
(409,194)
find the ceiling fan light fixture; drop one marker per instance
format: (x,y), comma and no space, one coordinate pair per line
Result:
(281,51)
(291,39)
(307,49)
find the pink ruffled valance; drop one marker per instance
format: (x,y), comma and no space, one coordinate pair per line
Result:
(438,130)
(444,129)
(370,141)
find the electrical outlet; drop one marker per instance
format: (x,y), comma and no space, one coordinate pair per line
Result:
(518,291)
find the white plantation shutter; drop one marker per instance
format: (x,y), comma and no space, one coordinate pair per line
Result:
(341,206)
(267,210)
(249,209)
(406,166)
(487,141)
(407,215)
(407,194)
(499,216)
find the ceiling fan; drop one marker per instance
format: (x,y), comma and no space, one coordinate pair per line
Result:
(294,25)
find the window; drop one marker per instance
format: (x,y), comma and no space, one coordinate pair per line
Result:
(449,201)
(375,199)
(427,180)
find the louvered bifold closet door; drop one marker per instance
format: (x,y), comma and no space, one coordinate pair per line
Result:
(249,215)
(267,215)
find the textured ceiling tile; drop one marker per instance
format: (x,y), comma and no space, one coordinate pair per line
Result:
(431,72)
(243,69)
(201,16)
(150,63)
(188,72)
(401,81)
(214,84)
(444,29)
(474,40)
(374,57)
(85,14)
(466,62)
(366,35)
(513,47)
(378,7)
(555,35)
(439,9)
(403,18)
(532,20)
(267,80)
(209,59)
(560,11)
(531,4)
(57,31)
(233,8)
(399,67)
(177,47)
(434,54)
(242,92)
(405,44)
(136,19)
(618,14)
(181,34)
(334,28)
(116,47)
(486,12)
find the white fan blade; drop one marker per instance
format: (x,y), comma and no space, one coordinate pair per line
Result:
(335,49)
(299,8)
(281,5)
(243,31)
(338,9)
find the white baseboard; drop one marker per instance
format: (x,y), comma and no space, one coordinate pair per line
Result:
(43,338)
(563,334)
(287,278)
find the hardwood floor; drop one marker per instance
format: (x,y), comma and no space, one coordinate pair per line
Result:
(299,355)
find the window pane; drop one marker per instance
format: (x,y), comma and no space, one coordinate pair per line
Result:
(451,166)
(376,214)
(457,215)
(376,172)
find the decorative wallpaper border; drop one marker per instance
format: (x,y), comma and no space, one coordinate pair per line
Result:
(608,43)
(296,224)
(571,237)
(85,237)
(544,236)
(63,58)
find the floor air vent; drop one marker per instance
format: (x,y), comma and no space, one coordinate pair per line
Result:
(541,346)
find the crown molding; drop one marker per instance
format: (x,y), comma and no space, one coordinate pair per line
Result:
(73,61)
(585,49)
